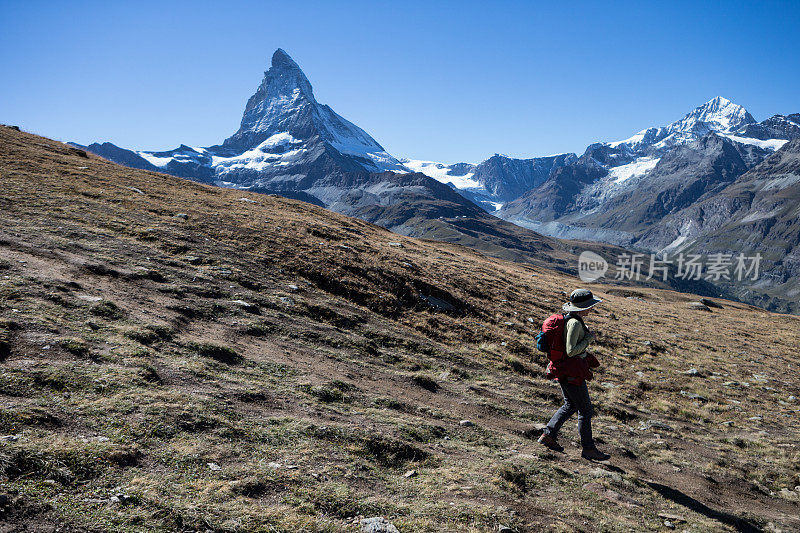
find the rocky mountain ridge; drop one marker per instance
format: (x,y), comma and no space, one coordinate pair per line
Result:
(615,192)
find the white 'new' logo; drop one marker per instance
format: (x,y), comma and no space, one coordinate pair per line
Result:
(591,266)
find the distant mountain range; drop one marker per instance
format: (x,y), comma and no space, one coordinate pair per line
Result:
(615,191)
(714,182)
(652,191)
(291,145)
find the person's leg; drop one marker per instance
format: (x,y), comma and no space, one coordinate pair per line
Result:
(583,404)
(564,412)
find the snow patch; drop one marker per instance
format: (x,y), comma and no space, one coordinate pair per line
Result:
(680,239)
(261,157)
(156,161)
(757,215)
(635,139)
(769,144)
(636,168)
(441,173)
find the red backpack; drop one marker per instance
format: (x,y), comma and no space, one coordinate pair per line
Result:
(552,339)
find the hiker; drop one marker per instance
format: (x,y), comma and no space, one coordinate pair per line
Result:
(568,338)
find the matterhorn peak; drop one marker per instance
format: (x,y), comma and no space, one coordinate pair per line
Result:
(283,112)
(281,104)
(280,59)
(284,79)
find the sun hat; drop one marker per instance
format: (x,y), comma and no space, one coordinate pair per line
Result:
(580,300)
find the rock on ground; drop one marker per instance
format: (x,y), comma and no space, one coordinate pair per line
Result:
(377,524)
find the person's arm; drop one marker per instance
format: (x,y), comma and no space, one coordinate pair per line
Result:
(577,338)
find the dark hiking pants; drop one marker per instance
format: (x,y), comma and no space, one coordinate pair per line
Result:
(576,398)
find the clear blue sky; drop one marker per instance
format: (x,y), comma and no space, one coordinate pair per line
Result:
(446,81)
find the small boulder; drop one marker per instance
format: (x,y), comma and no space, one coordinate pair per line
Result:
(710,303)
(181,216)
(534,432)
(677,519)
(656,424)
(466,423)
(247,307)
(699,306)
(377,524)
(120,498)
(602,473)
(437,303)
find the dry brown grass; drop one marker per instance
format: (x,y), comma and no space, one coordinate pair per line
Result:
(328,370)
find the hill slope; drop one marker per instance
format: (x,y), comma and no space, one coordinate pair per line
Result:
(176,356)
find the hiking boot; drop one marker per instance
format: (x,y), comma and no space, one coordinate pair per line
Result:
(550,442)
(593,454)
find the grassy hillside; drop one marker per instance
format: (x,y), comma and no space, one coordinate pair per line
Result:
(180,357)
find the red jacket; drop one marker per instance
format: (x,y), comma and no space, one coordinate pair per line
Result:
(575,370)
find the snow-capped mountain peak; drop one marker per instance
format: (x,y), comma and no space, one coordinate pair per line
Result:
(284,105)
(281,104)
(285,78)
(718,114)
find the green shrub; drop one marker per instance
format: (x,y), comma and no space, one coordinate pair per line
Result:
(218,352)
(392,453)
(333,392)
(107,309)
(426,382)
(516,475)
(391,403)
(76,347)
(517,365)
